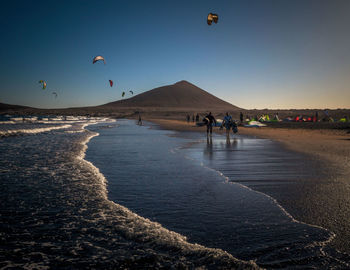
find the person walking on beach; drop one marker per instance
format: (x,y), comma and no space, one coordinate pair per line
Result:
(241,117)
(227,122)
(210,119)
(140,120)
(197,117)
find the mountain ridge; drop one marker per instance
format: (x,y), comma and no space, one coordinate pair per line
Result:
(182,94)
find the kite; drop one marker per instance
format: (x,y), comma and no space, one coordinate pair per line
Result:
(123,94)
(111,83)
(44,83)
(97,58)
(212,17)
(131,92)
(54,93)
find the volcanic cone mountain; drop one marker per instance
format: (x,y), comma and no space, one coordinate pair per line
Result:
(179,95)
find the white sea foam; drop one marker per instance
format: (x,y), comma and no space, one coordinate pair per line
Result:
(11,132)
(145,230)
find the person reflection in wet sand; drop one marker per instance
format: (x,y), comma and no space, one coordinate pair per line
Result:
(209,150)
(234,142)
(231,143)
(228,141)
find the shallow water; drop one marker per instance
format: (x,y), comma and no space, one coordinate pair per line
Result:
(54,211)
(189,185)
(158,194)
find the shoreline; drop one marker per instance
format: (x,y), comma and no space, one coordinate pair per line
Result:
(176,240)
(329,198)
(133,129)
(331,146)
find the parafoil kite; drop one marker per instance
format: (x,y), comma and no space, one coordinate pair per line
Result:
(54,93)
(44,83)
(123,94)
(212,17)
(131,92)
(97,58)
(111,83)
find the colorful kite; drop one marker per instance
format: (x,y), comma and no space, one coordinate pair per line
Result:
(98,58)
(44,83)
(212,17)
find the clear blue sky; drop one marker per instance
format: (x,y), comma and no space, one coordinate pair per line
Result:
(261,54)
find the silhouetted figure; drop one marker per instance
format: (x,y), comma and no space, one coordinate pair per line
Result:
(139,122)
(193,118)
(241,117)
(316,116)
(188,118)
(209,120)
(197,117)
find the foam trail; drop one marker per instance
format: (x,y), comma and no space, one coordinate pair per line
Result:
(147,231)
(7,133)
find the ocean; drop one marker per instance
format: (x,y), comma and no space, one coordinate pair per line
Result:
(98,193)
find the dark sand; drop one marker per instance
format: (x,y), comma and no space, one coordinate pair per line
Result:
(325,201)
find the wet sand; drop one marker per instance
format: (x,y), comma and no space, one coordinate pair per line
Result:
(323,200)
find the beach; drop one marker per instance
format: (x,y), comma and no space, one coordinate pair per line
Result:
(213,191)
(121,146)
(55,212)
(95,192)
(325,201)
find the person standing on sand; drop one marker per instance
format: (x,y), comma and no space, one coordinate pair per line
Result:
(241,117)
(209,122)
(140,120)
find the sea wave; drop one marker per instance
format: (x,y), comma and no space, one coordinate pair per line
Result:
(14,132)
(152,234)
(55,213)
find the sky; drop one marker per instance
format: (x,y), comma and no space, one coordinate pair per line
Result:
(275,54)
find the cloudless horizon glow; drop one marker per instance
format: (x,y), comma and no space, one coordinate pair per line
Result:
(261,54)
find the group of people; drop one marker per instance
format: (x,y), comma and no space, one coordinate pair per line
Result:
(194,118)
(227,122)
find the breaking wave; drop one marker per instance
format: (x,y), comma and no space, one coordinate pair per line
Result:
(55,214)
